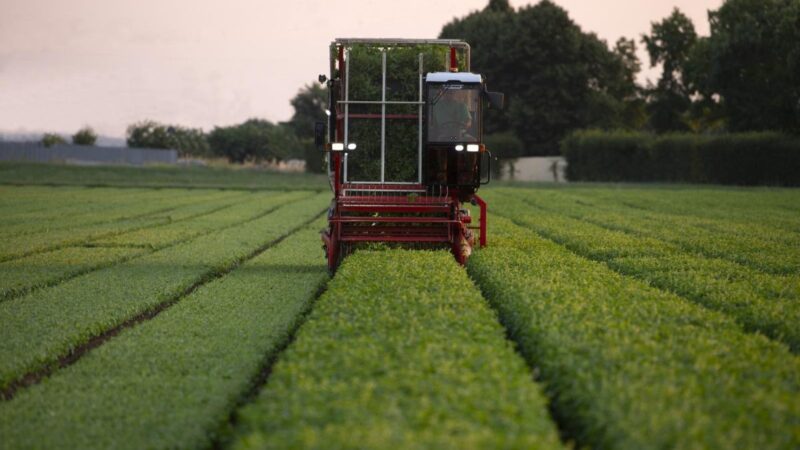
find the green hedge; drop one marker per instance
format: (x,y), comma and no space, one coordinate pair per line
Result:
(743,159)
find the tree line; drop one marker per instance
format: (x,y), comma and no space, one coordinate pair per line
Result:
(558,78)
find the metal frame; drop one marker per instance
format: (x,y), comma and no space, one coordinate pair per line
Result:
(378,211)
(383,102)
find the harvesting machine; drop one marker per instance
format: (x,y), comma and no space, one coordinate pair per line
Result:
(404,145)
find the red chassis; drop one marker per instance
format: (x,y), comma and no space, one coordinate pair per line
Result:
(400,214)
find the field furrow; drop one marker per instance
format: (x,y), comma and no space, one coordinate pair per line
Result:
(627,366)
(192,364)
(400,352)
(66,316)
(760,302)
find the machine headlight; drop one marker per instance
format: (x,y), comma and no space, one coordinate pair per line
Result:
(351,146)
(459,148)
(473,147)
(337,146)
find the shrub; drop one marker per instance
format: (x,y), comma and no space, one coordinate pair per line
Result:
(51,139)
(84,136)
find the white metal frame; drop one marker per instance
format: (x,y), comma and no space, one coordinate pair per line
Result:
(383,102)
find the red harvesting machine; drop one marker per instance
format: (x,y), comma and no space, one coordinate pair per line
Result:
(404,146)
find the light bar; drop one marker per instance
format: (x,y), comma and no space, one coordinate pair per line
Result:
(337,146)
(459,148)
(351,146)
(473,147)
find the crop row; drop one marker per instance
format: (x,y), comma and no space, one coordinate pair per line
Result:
(42,269)
(246,207)
(32,201)
(154,214)
(144,204)
(21,275)
(772,209)
(627,366)
(400,352)
(172,382)
(760,302)
(50,323)
(770,251)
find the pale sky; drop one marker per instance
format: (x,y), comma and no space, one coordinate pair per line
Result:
(200,63)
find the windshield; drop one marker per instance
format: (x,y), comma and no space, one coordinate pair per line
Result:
(453,113)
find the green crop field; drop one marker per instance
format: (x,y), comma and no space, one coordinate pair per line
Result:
(191,308)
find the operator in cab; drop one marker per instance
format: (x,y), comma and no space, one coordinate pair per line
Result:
(452,117)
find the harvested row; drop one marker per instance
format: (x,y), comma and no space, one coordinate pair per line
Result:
(631,367)
(156,214)
(143,205)
(43,269)
(769,251)
(400,352)
(759,302)
(173,381)
(66,316)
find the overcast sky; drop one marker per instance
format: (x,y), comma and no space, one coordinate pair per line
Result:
(200,63)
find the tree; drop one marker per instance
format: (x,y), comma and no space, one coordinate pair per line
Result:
(309,107)
(556,77)
(51,139)
(669,44)
(84,136)
(151,134)
(754,63)
(256,140)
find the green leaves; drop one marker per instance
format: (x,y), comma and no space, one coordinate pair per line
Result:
(628,366)
(172,382)
(400,352)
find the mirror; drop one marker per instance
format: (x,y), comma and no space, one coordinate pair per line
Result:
(496,99)
(319,134)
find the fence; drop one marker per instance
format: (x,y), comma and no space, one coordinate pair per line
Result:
(80,154)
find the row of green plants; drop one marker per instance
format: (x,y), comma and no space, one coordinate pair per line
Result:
(766,249)
(628,366)
(32,201)
(193,177)
(172,382)
(769,209)
(217,216)
(400,352)
(741,159)
(105,207)
(73,312)
(157,210)
(759,302)
(22,275)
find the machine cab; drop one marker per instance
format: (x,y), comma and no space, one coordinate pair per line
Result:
(453,130)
